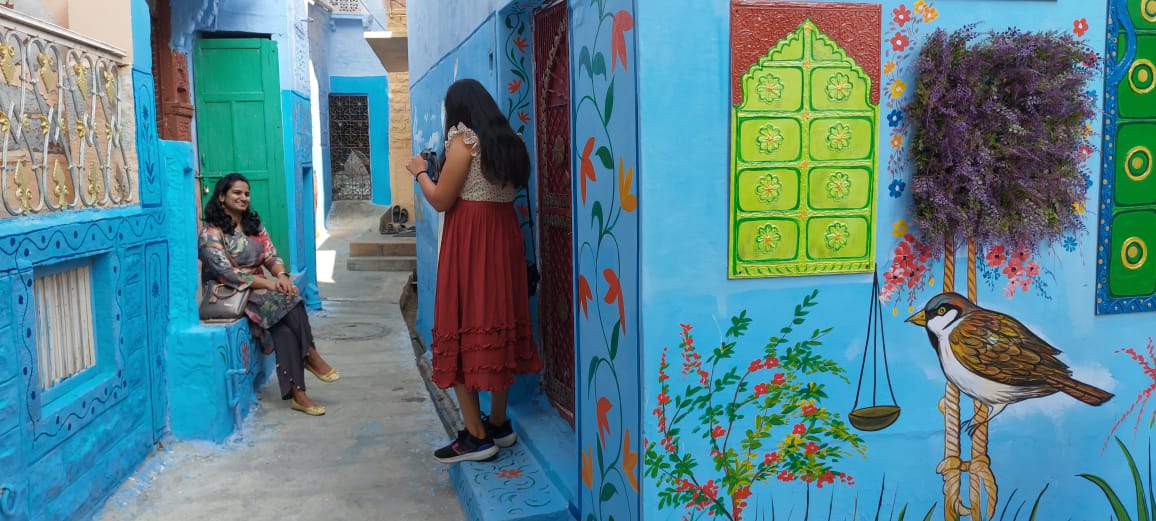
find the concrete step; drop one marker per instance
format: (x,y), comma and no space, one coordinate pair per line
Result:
(513,487)
(379,263)
(384,247)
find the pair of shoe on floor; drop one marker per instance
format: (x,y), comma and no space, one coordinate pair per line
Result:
(468,448)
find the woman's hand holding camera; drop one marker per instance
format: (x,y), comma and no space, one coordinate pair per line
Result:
(416,166)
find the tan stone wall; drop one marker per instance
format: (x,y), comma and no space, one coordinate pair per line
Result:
(400,143)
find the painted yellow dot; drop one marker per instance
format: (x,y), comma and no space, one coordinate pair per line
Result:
(894,311)
(1142,75)
(1137,163)
(910,309)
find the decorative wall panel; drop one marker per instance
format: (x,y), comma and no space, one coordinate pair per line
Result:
(804,155)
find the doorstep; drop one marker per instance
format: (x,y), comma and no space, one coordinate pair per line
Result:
(512,487)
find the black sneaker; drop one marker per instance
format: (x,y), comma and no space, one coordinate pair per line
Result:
(466,448)
(503,434)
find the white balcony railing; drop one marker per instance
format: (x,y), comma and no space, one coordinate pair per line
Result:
(346,6)
(64,139)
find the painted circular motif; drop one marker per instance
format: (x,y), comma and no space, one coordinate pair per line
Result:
(770,188)
(770,88)
(1148,10)
(1138,164)
(839,87)
(767,238)
(839,186)
(770,138)
(838,235)
(1134,253)
(839,137)
(1142,76)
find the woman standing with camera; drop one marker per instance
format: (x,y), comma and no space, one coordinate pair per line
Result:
(482,335)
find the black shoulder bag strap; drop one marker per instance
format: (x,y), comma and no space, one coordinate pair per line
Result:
(532,275)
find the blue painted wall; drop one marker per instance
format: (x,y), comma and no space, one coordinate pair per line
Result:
(320,41)
(65,449)
(472,59)
(1040,443)
(376,89)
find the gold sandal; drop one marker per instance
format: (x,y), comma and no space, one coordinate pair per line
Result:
(313,410)
(330,377)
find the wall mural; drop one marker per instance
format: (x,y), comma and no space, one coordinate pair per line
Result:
(803,157)
(603,62)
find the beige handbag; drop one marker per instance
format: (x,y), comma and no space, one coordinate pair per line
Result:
(221,302)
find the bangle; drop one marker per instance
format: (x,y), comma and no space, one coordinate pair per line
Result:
(415,176)
(281,273)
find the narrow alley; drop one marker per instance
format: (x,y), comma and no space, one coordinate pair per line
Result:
(367,459)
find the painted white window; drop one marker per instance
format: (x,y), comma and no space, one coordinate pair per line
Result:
(64,343)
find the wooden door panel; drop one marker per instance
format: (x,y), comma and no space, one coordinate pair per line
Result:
(556,302)
(238,102)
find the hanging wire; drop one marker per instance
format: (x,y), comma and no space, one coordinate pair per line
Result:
(883,339)
(867,344)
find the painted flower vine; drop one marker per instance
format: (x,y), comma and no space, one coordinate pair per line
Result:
(609,462)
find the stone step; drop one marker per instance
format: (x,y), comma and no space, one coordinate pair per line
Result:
(397,247)
(379,263)
(512,487)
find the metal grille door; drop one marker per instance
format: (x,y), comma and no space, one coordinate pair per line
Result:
(349,146)
(556,302)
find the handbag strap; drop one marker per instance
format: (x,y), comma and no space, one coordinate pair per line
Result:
(530,218)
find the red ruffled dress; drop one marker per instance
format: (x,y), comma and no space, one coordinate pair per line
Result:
(482,334)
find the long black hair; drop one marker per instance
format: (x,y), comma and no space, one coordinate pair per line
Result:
(215,214)
(505,160)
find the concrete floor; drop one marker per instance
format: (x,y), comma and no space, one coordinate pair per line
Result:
(369,458)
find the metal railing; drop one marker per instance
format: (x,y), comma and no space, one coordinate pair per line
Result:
(63,143)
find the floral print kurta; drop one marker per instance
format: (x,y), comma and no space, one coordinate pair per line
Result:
(249,254)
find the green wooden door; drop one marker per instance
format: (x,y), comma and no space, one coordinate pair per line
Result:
(238,97)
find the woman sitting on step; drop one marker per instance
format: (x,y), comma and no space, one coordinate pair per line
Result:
(234,248)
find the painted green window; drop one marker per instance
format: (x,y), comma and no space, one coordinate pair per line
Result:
(1126,278)
(803,162)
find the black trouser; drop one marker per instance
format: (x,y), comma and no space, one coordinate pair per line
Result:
(292,338)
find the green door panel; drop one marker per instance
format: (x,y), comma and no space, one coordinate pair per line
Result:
(1143,13)
(1132,270)
(1135,184)
(803,165)
(238,103)
(1136,91)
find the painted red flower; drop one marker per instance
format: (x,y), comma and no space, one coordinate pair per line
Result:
(510,473)
(780,379)
(584,294)
(809,410)
(1025,284)
(703,377)
(1021,255)
(521,44)
(614,293)
(811,448)
(901,15)
(899,43)
(755,365)
(786,476)
(601,409)
(514,85)
(663,398)
(761,389)
(771,362)
(587,167)
(622,22)
(800,429)
(1032,268)
(1080,27)
(996,256)
(1013,270)
(686,329)
(718,432)
(523,116)
(771,459)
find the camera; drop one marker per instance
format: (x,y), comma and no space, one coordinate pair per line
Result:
(431,163)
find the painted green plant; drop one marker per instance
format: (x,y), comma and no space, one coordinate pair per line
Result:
(762,422)
(1145,495)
